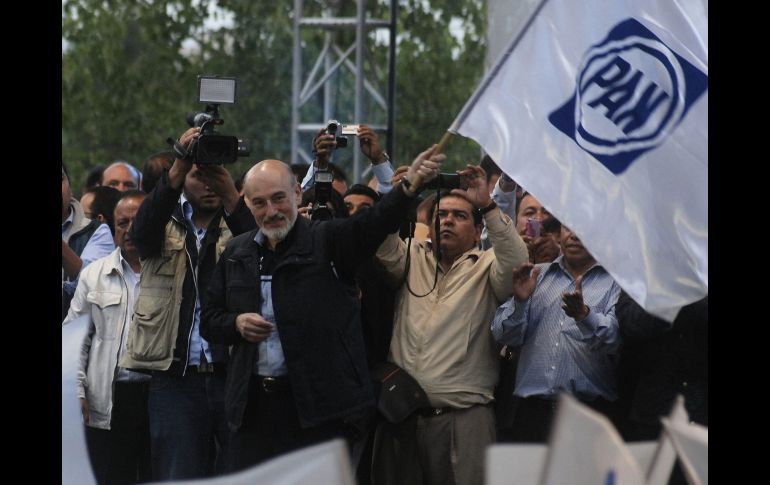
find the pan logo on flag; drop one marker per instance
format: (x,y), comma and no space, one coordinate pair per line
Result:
(631,92)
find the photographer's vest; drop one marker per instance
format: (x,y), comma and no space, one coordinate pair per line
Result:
(153,332)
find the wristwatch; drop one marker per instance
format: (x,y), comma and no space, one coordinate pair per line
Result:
(407,186)
(488,208)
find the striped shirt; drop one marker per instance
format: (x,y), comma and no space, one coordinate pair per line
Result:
(557,352)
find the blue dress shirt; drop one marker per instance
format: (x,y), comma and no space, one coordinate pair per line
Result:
(197,343)
(557,352)
(271,361)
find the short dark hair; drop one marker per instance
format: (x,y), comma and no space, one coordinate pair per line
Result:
(339,209)
(105,200)
(131,193)
(518,201)
(361,189)
(477,217)
(154,167)
(94,177)
(299,170)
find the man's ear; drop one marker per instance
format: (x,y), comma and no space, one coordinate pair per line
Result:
(101,218)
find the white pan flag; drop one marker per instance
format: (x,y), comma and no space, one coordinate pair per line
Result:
(584,447)
(599,108)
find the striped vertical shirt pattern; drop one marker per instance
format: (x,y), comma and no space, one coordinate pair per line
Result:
(557,352)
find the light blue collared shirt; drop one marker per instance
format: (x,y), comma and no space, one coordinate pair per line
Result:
(100,244)
(67,222)
(271,361)
(557,352)
(197,343)
(506,202)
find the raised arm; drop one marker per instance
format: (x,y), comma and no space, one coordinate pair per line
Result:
(147,231)
(508,247)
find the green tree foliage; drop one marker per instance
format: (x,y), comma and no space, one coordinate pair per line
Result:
(129,78)
(125,86)
(436,73)
(255,49)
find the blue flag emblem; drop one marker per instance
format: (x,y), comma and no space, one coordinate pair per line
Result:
(631,91)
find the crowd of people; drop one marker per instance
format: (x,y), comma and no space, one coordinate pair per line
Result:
(228,324)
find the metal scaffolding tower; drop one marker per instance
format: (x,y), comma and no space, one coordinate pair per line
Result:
(333,62)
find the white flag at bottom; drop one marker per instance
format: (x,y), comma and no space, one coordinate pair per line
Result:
(585,448)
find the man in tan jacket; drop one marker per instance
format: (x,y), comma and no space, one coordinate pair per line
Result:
(442,338)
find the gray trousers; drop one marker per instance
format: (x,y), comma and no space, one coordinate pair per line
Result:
(447,449)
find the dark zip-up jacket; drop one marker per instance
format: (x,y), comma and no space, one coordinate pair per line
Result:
(316,308)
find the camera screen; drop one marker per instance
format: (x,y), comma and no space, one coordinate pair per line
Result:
(323,176)
(216,90)
(350,129)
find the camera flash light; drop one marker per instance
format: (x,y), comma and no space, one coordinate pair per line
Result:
(216,90)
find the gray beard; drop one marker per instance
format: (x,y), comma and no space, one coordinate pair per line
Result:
(279,234)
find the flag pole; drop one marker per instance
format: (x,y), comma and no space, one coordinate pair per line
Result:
(444,140)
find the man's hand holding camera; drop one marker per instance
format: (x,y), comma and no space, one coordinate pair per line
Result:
(216,177)
(370,145)
(179,169)
(477,192)
(324,144)
(542,249)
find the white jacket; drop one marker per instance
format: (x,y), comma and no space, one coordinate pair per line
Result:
(102,293)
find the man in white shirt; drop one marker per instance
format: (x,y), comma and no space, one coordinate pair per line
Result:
(113,399)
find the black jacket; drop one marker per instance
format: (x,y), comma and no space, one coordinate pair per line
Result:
(316,307)
(660,360)
(148,234)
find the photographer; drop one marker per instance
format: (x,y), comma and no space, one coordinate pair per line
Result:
(295,277)
(324,145)
(180,231)
(441,337)
(335,204)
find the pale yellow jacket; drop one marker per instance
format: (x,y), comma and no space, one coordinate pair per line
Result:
(444,340)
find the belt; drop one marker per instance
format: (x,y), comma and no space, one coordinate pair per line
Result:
(431,412)
(271,384)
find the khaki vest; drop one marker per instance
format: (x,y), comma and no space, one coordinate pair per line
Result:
(153,332)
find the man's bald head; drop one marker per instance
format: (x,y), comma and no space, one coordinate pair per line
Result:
(271,191)
(271,171)
(121,176)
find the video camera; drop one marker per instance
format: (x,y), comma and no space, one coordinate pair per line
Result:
(322,179)
(212,148)
(322,185)
(333,127)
